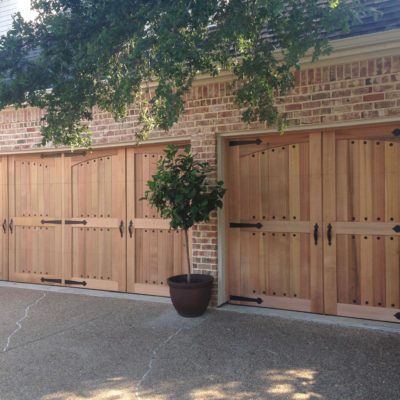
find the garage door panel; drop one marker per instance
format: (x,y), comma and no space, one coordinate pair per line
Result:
(35,234)
(95,220)
(92,253)
(39,251)
(365,211)
(268,206)
(3,218)
(155,252)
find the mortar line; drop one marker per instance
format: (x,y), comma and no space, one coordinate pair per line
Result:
(19,322)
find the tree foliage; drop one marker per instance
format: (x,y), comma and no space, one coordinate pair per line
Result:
(78,54)
(181,192)
(179,189)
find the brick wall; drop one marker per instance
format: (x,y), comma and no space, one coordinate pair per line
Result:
(355,91)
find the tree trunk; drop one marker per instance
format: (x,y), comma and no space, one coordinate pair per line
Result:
(187,255)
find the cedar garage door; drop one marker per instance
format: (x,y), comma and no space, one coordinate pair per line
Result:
(76,219)
(313,222)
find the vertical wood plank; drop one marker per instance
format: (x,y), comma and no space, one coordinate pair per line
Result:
(119,212)
(4,259)
(233,202)
(131,215)
(366,196)
(316,275)
(304,168)
(329,217)
(354,181)
(294,215)
(366,270)
(379,272)
(392,251)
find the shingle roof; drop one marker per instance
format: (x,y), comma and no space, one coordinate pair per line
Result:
(388,19)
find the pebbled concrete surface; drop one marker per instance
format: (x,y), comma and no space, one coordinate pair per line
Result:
(81,347)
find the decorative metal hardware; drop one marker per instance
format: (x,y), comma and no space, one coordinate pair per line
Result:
(72,222)
(257,300)
(316,227)
(51,221)
(258,225)
(397,315)
(51,280)
(121,228)
(4,226)
(244,142)
(11,226)
(75,153)
(329,234)
(50,155)
(396,132)
(396,228)
(69,282)
(130,228)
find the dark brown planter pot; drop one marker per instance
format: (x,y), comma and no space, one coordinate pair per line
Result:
(190,299)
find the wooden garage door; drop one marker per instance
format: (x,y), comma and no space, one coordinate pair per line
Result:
(274,204)
(35,214)
(274,209)
(362,209)
(3,219)
(68,222)
(154,251)
(95,219)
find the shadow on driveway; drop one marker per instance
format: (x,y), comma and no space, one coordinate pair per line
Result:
(80,347)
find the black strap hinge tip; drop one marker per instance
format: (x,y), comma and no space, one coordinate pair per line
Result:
(257,300)
(258,225)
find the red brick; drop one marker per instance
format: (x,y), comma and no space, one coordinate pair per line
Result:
(374,97)
(291,107)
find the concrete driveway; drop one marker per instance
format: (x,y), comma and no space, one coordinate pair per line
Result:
(63,346)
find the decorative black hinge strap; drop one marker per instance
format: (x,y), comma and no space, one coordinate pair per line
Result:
(397,315)
(257,300)
(71,222)
(396,228)
(50,221)
(258,225)
(51,280)
(69,282)
(244,142)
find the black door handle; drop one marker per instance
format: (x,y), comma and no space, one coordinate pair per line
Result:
(11,226)
(329,234)
(121,228)
(130,228)
(316,227)
(4,226)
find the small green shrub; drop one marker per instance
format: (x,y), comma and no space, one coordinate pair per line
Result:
(180,191)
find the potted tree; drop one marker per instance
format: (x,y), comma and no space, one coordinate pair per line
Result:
(180,191)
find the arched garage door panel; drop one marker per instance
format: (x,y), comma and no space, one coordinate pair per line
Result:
(35,214)
(95,220)
(272,256)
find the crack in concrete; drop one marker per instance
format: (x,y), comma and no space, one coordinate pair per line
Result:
(153,357)
(18,323)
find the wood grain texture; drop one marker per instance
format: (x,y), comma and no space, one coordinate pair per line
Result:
(154,252)
(270,185)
